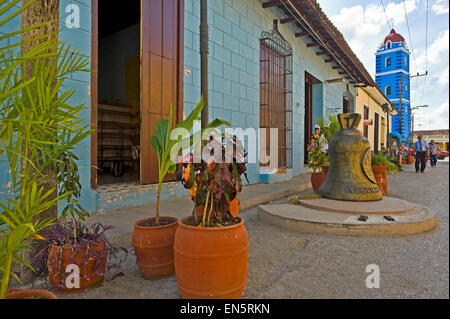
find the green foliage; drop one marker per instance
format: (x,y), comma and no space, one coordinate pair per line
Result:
(317,158)
(38,130)
(380,159)
(166,148)
(328,126)
(393,168)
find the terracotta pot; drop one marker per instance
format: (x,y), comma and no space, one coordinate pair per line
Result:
(90,260)
(154,248)
(317,180)
(380,172)
(211,262)
(325,170)
(31,294)
(409,159)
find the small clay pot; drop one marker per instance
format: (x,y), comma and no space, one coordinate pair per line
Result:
(90,260)
(317,180)
(154,247)
(31,294)
(380,172)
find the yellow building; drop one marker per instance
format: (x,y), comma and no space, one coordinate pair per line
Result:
(441,137)
(376,111)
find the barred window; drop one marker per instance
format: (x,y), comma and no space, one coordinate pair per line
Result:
(276,93)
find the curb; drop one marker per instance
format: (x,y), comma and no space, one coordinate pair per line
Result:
(124,240)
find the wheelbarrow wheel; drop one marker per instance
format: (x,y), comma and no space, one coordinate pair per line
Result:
(117,169)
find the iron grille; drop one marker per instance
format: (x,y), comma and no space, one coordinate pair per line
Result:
(276,93)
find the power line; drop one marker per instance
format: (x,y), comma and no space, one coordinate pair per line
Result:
(426,56)
(409,34)
(387,20)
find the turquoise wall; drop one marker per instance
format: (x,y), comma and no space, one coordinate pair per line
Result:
(235,30)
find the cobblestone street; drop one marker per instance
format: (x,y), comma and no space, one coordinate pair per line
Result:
(285,264)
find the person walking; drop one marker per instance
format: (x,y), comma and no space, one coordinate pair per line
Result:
(420,147)
(434,149)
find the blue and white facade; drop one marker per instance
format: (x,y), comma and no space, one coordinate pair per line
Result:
(392,69)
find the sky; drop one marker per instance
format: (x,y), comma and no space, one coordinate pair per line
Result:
(364,25)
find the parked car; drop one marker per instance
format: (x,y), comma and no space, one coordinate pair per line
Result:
(442,154)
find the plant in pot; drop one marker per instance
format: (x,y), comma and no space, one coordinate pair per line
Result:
(72,247)
(380,165)
(153,237)
(317,159)
(328,126)
(35,118)
(211,247)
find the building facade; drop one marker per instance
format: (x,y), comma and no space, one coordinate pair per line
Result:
(376,111)
(271,64)
(393,78)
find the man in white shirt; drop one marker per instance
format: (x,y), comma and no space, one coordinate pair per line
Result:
(420,147)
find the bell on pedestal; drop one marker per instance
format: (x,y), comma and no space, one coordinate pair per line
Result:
(350,176)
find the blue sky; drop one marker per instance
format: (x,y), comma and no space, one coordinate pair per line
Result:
(364,26)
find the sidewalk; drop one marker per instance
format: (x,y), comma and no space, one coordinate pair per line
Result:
(252,195)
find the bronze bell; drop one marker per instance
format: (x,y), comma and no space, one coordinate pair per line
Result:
(350,176)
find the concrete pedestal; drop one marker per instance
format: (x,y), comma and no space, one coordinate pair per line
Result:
(333,217)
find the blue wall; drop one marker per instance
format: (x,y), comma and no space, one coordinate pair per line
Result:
(235,31)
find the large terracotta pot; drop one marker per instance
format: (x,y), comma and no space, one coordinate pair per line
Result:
(211,262)
(31,294)
(154,247)
(90,260)
(380,172)
(409,159)
(317,180)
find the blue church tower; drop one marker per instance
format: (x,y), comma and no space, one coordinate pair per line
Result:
(393,78)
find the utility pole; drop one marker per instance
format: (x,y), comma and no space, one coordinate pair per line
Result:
(400,89)
(204,39)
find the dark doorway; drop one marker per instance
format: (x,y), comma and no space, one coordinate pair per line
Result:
(376,133)
(118,110)
(309,129)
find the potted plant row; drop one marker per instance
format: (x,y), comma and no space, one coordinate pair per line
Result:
(153,237)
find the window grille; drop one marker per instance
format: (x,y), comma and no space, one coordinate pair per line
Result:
(276,93)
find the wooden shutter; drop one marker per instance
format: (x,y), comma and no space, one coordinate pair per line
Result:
(161,73)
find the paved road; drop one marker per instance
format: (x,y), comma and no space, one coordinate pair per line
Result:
(290,265)
(285,264)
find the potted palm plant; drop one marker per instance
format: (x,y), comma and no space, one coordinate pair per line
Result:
(317,159)
(153,237)
(211,247)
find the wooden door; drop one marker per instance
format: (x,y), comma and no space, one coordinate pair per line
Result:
(308,114)
(162,29)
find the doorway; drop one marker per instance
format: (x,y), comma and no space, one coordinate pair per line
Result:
(376,133)
(137,63)
(313,97)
